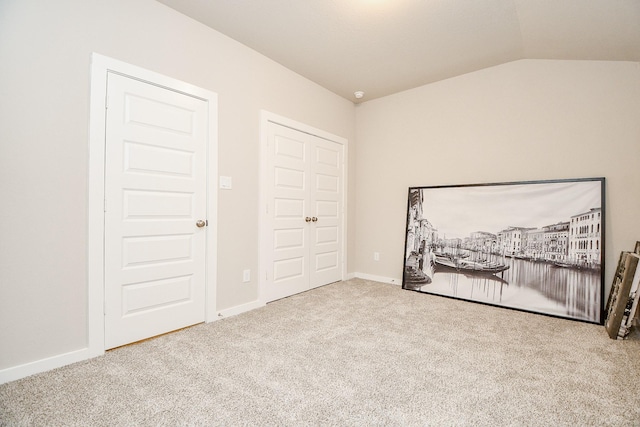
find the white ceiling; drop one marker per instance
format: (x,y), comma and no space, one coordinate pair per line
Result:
(386,46)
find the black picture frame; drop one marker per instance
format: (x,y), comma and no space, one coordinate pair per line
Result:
(534,246)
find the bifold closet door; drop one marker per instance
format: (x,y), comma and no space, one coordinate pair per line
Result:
(304,211)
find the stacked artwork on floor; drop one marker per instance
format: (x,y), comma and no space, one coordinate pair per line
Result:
(622,305)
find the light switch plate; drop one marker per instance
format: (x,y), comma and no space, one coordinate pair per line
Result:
(225,182)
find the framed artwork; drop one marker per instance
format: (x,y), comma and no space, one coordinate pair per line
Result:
(535,246)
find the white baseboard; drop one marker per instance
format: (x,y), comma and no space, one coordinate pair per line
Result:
(239,309)
(43,365)
(350,276)
(390,280)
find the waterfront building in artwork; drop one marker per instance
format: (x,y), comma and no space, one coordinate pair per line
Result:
(534,248)
(413,222)
(454,243)
(556,241)
(428,232)
(421,234)
(481,241)
(585,242)
(420,237)
(512,240)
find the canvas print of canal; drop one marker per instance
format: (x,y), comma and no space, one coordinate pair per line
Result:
(532,246)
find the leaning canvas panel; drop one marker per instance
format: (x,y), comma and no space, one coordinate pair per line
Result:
(615,286)
(536,246)
(634,315)
(623,297)
(631,309)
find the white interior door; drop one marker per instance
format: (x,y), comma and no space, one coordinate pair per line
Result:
(155,193)
(325,259)
(304,212)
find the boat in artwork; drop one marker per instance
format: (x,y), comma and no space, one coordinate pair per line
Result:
(463,265)
(565,265)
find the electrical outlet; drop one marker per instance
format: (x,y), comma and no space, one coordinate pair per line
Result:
(376,256)
(246,276)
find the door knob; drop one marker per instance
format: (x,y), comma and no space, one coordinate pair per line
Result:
(201,223)
(307,219)
(314,219)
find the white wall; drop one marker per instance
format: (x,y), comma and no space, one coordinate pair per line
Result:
(525,120)
(45,53)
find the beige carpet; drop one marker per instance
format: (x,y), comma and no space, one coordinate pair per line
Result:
(355,353)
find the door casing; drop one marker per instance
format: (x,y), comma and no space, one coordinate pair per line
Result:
(100,66)
(266,118)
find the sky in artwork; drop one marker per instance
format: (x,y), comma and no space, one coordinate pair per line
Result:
(456,212)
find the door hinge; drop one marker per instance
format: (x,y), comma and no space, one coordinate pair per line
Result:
(106,102)
(105,205)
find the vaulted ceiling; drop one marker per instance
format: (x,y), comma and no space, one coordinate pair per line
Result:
(386,46)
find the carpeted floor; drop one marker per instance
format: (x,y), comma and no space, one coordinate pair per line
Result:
(354,353)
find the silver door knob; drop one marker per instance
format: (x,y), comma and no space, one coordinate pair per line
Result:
(307,219)
(314,219)
(201,223)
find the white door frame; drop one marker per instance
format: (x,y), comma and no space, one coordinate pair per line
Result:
(267,117)
(100,67)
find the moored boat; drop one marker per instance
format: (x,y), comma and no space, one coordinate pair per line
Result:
(467,266)
(565,265)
